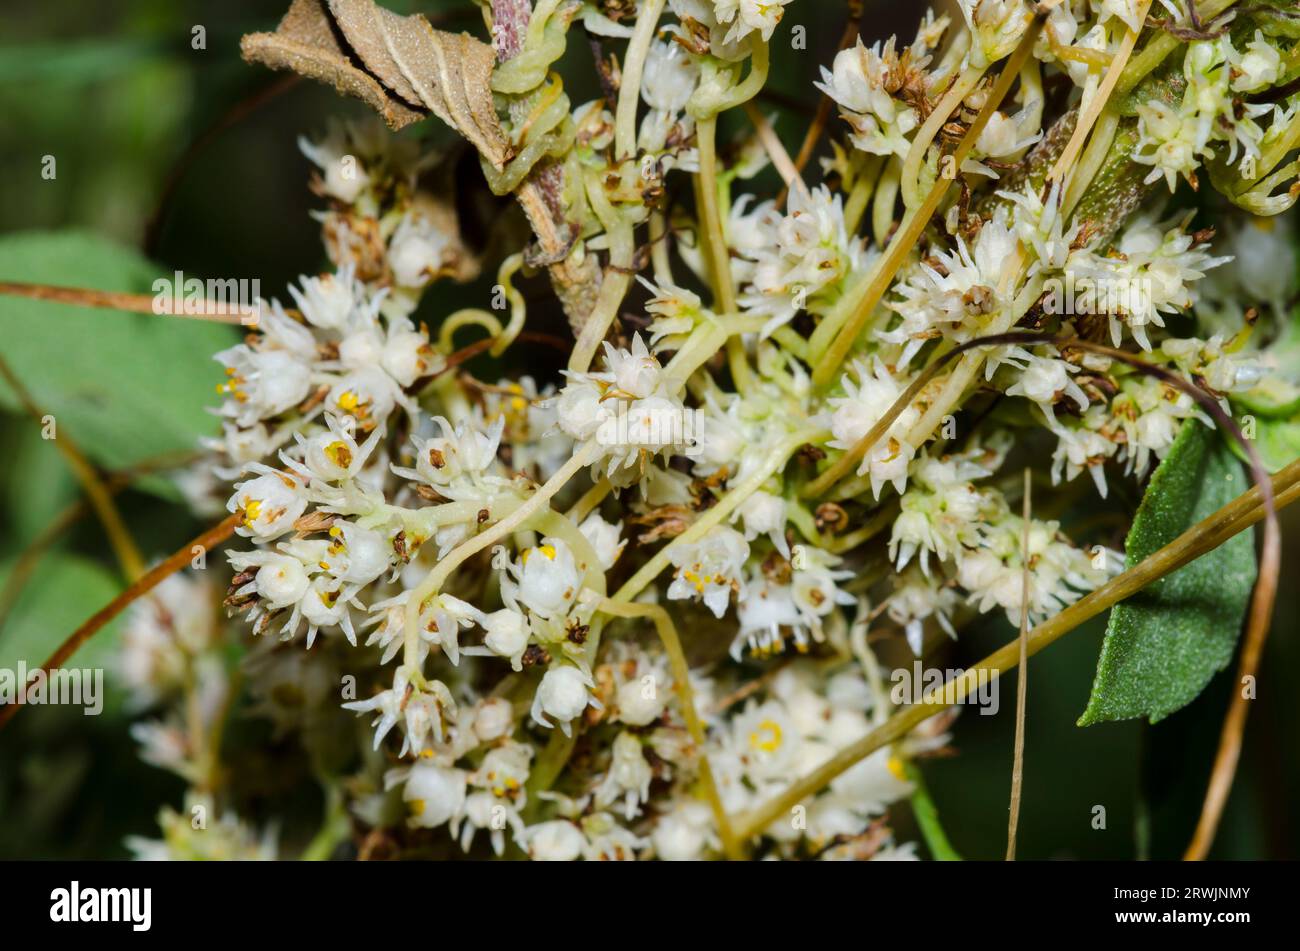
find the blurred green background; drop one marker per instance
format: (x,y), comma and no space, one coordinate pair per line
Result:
(187,158)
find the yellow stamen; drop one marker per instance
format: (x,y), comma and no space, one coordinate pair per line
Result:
(772,742)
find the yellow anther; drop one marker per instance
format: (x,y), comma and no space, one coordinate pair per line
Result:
(339,453)
(767,737)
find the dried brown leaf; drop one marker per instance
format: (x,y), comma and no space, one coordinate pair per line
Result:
(305,43)
(451,73)
(447,73)
(410,67)
(360,23)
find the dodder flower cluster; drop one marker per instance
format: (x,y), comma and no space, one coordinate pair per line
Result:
(503,687)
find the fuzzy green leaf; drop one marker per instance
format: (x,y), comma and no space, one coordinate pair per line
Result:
(124,387)
(1164,644)
(63,592)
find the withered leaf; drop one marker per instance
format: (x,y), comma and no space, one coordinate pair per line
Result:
(401,66)
(447,73)
(305,42)
(359,22)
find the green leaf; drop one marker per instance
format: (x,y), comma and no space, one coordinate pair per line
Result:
(1164,644)
(1276,440)
(63,591)
(65,63)
(37,483)
(124,387)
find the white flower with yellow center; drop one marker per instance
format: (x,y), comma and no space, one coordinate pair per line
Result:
(764,611)
(814,586)
(263,383)
(268,504)
(326,605)
(629,410)
(546,580)
(357,555)
(709,569)
(332,454)
(940,512)
(1044,381)
(417,250)
(675,313)
(1259,66)
(434,794)
(369,395)
(955,293)
(1080,446)
(630,374)
(458,460)
(766,740)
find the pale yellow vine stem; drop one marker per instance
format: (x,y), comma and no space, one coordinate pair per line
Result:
(694,725)
(884,200)
(589,502)
(776,152)
(617,280)
(714,238)
(906,238)
(718,91)
(1094,156)
(517,513)
(714,234)
(467,317)
(101,497)
(1065,164)
(961,87)
(864,186)
(629,92)
(1210,533)
(1160,46)
(961,378)
(1022,680)
(713,517)
(518,310)
(659,257)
